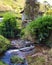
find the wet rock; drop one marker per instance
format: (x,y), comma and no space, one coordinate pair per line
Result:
(26,49)
(20,43)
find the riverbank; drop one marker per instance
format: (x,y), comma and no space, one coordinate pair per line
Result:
(42,56)
(22,53)
(31,52)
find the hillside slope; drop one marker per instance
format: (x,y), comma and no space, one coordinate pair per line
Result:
(16,5)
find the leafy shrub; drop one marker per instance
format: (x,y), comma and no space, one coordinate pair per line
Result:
(9,26)
(40,29)
(16,59)
(4,44)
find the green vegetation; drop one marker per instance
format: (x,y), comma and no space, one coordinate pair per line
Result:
(15,59)
(15,6)
(48,12)
(40,29)
(40,60)
(4,44)
(2,63)
(8,27)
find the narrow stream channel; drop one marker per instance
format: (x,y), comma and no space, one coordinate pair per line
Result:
(22,52)
(10,53)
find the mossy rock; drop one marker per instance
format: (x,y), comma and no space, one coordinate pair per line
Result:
(4,44)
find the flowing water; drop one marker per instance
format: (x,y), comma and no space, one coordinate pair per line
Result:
(22,52)
(10,53)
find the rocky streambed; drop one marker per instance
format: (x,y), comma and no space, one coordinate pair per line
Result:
(21,43)
(20,48)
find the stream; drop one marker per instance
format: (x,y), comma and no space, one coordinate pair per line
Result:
(21,52)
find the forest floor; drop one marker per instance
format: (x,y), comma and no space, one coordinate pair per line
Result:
(42,56)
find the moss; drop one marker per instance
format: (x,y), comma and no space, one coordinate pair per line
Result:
(4,44)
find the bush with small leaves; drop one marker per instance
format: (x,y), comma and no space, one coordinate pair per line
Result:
(39,29)
(8,26)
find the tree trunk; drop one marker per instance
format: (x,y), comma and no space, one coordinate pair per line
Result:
(31,9)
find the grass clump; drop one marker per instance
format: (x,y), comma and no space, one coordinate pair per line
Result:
(4,44)
(16,59)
